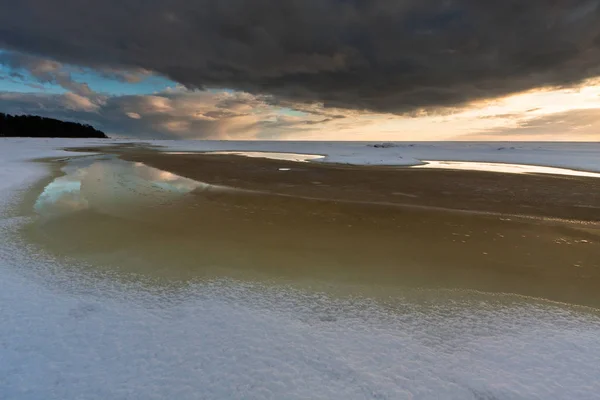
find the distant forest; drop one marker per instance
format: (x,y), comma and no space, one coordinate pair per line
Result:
(34,126)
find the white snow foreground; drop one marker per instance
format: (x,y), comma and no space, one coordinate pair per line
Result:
(69,334)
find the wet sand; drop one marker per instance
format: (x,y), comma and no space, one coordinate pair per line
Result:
(551,196)
(339,225)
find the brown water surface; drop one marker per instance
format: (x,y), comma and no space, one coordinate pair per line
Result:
(126,216)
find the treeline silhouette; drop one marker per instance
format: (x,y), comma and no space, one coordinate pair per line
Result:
(34,126)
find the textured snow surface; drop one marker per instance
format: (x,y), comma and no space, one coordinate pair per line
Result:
(70,333)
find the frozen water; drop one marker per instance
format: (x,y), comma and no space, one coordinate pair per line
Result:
(71,334)
(264,154)
(504,168)
(581,156)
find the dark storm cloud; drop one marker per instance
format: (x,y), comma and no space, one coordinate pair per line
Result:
(383,55)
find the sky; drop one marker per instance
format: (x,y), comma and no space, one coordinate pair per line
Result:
(307,69)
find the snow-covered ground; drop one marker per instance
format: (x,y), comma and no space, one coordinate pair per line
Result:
(66,333)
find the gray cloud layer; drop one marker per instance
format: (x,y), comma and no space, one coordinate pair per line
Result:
(382,55)
(170,114)
(45,71)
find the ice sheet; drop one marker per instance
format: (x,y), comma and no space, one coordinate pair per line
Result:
(582,156)
(504,168)
(575,155)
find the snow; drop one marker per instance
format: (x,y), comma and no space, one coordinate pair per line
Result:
(504,168)
(272,155)
(71,333)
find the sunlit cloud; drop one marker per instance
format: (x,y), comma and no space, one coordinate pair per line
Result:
(559,113)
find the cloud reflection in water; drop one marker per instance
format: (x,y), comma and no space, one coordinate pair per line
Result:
(113,186)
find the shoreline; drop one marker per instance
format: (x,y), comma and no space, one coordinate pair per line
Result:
(327,291)
(321,158)
(576,156)
(493,193)
(344,239)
